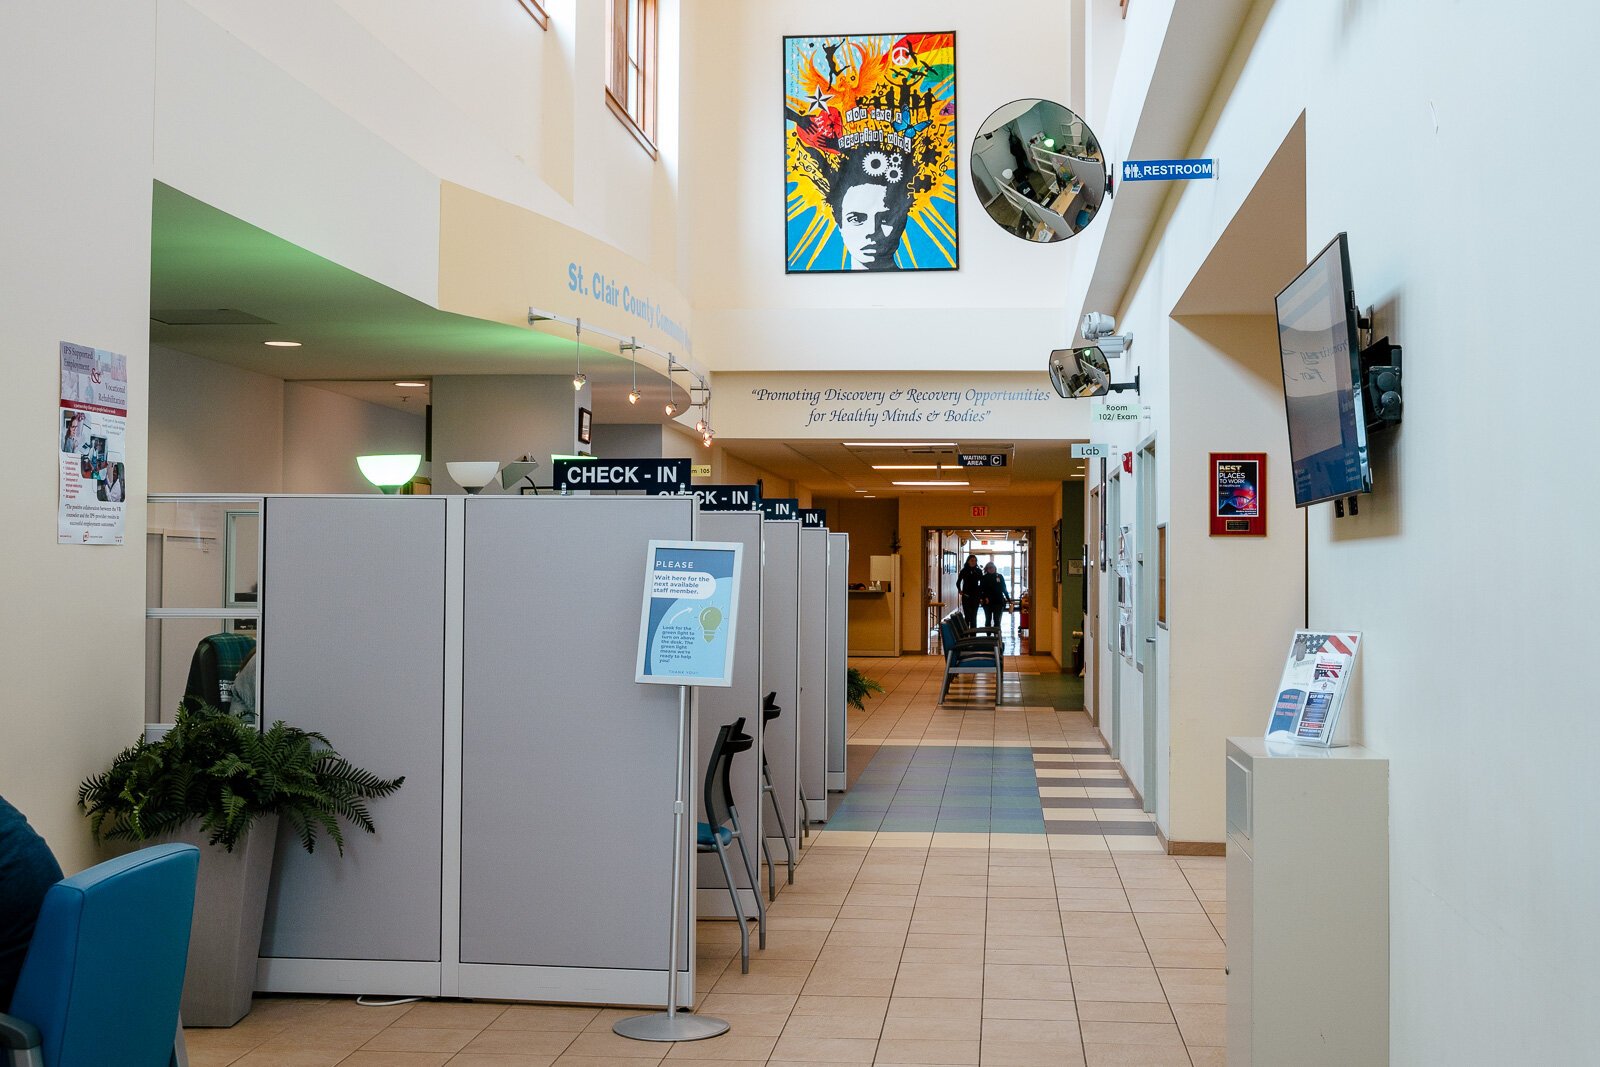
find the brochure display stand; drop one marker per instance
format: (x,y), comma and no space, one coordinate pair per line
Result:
(1311,692)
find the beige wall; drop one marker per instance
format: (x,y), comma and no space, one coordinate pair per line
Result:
(873,526)
(74,266)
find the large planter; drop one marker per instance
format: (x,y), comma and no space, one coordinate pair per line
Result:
(230,905)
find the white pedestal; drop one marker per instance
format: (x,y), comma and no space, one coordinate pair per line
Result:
(1308,905)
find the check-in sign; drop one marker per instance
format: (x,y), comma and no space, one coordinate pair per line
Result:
(727,497)
(653,476)
(781,507)
(813,516)
(1168,170)
(983,459)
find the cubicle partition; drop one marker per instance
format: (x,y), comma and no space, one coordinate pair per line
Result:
(813,671)
(838,657)
(742,699)
(353,645)
(484,648)
(780,651)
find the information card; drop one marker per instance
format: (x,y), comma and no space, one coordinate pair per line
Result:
(691,603)
(1311,692)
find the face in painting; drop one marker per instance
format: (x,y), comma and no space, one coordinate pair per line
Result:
(870,223)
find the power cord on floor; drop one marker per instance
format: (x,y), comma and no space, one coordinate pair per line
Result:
(368,1002)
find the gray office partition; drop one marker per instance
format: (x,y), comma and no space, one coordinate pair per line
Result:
(567,764)
(741,700)
(780,651)
(813,641)
(838,656)
(353,645)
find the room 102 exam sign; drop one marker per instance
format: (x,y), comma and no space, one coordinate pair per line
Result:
(691,603)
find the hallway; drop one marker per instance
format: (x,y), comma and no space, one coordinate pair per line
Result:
(1068,941)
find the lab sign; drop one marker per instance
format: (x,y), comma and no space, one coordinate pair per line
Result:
(653,476)
(690,612)
(1093,451)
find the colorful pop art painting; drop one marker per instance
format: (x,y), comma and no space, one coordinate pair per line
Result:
(869,152)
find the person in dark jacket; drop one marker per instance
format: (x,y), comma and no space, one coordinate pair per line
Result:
(27,869)
(994,596)
(969,585)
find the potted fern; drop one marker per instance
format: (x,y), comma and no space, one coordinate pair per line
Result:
(858,687)
(223,784)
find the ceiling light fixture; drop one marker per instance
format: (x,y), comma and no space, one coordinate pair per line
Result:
(579,379)
(632,347)
(899,444)
(938,485)
(281,344)
(412,385)
(672,365)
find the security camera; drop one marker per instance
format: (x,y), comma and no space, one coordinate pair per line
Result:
(1098,328)
(1097,324)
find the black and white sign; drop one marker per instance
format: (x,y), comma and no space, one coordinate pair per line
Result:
(813,516)
(984,459)
(653,476)
(727,497)
(781,507)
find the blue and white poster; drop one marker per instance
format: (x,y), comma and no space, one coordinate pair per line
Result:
(691,598)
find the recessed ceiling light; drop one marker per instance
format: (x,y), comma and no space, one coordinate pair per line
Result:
(412,385)
(980,491)
(940,485)
(281,344)
(899,444)
(861,490)
(869,496)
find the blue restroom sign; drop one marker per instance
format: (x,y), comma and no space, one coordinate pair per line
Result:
(691,605)
(1168,170)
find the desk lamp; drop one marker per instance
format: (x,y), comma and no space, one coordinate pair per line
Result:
(389,473)
(473,474)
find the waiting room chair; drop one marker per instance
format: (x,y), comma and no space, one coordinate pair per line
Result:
(103,977)
(721,827)
(965,633)
(739,741)
(972,656)
(771,710)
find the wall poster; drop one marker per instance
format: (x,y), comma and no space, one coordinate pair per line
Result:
(91,442)
(869,152)
(1238,494)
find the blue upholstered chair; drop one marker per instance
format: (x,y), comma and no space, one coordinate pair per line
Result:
(104,971)
(971,655)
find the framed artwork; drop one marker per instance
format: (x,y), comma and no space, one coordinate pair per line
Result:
(1161,576)
(585,426)
(869,152)
(1238,494)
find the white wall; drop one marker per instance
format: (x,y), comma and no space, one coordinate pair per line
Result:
(213,428)
(503,417)
(1493,925)
(1001,310)
(324,432)
(74,266)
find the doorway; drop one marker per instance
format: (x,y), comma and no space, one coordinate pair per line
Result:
(1093,578)
(1148,563)
(1010,549)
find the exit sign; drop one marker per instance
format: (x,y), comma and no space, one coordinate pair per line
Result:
(983,459)
(980,511)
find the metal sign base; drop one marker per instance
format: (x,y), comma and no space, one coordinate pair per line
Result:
(673,1025)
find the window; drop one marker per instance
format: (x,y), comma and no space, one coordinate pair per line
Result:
(631,71)
(535,9)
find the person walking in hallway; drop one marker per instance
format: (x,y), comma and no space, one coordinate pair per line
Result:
(969,585)
(994,595)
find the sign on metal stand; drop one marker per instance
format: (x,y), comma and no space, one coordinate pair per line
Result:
(686,631)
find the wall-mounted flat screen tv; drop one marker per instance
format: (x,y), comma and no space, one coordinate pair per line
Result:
(1317,321)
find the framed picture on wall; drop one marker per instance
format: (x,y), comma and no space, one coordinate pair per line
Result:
(1238,491)
(585,425)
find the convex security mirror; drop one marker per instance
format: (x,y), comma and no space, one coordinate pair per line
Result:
(1079,372)
(1038,170)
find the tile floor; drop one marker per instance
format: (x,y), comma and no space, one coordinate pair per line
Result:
(1075,943)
